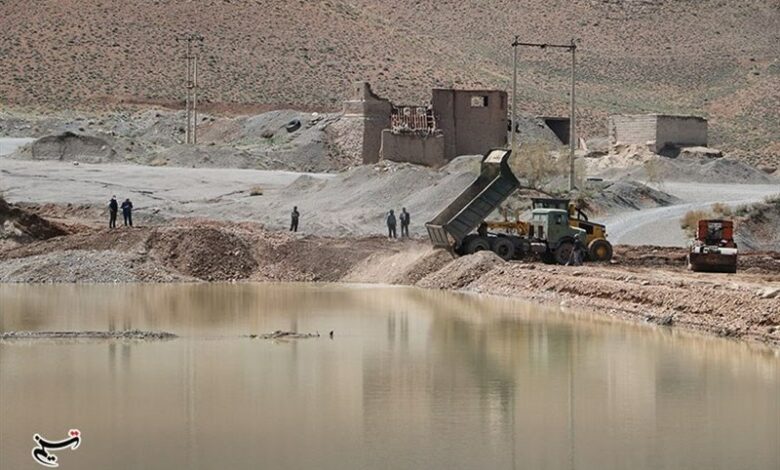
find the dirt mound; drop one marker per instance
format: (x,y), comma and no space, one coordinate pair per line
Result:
(462,271)
(620,195)
(406,267)
(70,147)
(637,163)
(205,253)
(758,228)
(22,226)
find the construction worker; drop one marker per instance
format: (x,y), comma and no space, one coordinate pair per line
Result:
(405,218)
(294,216)
(391,224)
(577,252)
(127,212)
(113,208)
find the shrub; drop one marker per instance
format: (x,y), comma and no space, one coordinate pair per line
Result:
(691,219)
(722,210)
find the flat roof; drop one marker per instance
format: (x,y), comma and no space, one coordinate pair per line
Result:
(679,116)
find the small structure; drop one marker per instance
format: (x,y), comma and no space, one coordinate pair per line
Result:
(457,122)
(472,121)
(658,131)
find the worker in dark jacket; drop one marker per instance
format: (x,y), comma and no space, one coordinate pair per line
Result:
(405,218)
(577,252)
(391,224)
(294,216)
(127,212)
(113,208)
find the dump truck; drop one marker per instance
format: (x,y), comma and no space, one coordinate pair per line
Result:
(548,234)
(713,249)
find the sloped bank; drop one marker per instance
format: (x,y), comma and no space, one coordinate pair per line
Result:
(649,287)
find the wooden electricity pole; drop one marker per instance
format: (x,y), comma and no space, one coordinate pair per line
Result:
(191,86)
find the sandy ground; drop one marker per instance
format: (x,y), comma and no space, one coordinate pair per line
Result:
(203,225)
(661,225)
(8,145)
(646,284)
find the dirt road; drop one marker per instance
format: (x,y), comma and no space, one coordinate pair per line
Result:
(661,225)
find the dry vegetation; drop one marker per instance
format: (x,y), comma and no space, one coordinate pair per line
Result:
(715,57)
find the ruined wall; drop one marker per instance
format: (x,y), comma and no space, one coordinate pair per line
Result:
(632,129)
(681,131)
(368,115)
(473,121)
(413,148)
(658,129)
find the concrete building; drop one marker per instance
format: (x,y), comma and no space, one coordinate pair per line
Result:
(658,131)
(472,121)
(457,122)
(371,115)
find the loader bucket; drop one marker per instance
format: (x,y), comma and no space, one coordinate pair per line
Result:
(712,262)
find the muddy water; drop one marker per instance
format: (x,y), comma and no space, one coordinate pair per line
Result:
(412,379)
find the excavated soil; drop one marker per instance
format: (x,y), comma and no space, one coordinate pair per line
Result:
(649,284)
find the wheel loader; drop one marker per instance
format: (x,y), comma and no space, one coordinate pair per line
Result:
(713,249)
(550,233)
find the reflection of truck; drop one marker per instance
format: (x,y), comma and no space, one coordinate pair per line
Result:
(713,249)
(550,232)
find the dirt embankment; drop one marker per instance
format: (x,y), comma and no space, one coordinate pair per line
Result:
(645,283)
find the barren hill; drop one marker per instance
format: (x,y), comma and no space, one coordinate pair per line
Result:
(714,57)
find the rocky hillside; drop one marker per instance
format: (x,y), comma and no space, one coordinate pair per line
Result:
(714,57)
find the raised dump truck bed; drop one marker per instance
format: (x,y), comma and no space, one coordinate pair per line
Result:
(463,215)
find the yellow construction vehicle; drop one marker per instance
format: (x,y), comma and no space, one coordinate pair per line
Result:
(599,249)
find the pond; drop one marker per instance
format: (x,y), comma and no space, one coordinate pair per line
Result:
(410,379)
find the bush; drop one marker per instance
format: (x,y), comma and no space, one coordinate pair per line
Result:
(691,219)
(722,210)
(535,161)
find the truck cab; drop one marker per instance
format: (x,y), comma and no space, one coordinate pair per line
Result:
(551,235)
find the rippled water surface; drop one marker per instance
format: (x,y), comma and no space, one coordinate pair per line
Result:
(411,379)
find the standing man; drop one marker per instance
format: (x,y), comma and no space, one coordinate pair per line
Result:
(405,218)
(391,225)
(577,252)
(113,208)
(294,219)
(127,212)
(404,223)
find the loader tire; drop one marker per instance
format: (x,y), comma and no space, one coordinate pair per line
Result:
(477,244)
(503,247)
(600,250)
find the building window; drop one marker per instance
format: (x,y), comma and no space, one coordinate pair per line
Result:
(479,101)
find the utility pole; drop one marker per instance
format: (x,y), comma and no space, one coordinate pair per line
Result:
(191,86)
(514,95)
(571,47)
(572,127)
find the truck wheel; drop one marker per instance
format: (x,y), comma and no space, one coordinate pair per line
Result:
(563,253)
(600,250)
(477,244)
(503,247)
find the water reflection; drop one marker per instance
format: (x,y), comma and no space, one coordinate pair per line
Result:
(413,379)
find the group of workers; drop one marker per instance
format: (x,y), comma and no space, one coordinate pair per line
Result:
(127,212)
(403,217)
(392,221)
